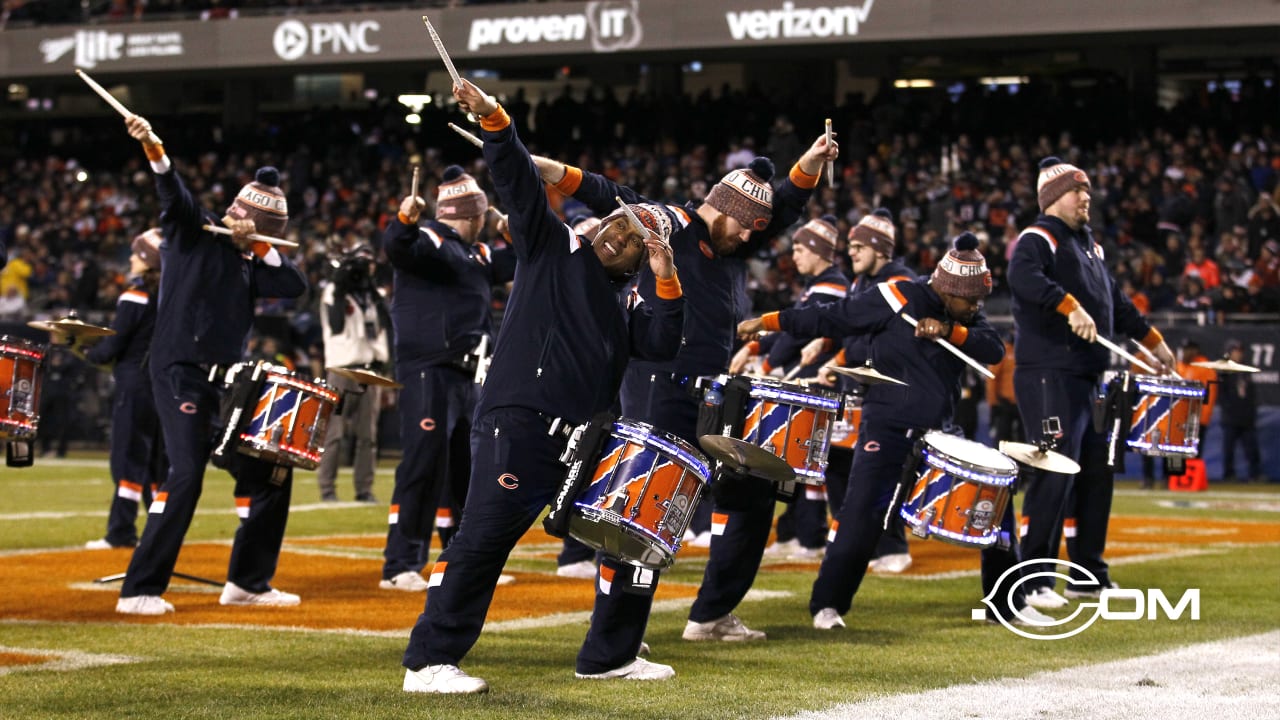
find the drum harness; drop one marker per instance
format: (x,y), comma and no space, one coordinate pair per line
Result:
(583,446)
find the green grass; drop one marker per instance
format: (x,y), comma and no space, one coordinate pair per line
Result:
(903,636)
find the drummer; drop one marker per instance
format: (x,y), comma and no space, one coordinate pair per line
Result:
(948,306)
(208,284)
(1063,299)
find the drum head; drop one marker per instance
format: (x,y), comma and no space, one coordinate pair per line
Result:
(974,453)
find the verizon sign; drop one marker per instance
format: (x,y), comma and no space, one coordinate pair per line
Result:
(791,22)
(610,25)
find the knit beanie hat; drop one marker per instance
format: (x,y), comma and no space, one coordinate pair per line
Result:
(147,247)
(459,196)
(263,202)
(820,236)
(1057,178)
(876,232)
(963,271)
(745,194)
(656,222)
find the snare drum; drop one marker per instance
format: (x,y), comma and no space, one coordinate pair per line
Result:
(641,496)
(289,420)
(960,492)
(1164,416)
(793,422)
(844,431)
(20,375)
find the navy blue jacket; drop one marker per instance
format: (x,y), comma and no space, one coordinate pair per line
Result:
(932,373)
(1050,261)
(443,297)
(783,349)
(207,286)
(568,332)
(711,283)
(857,348)
(134,323)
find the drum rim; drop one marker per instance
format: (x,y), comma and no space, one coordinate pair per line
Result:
(654,438)
(1007,477)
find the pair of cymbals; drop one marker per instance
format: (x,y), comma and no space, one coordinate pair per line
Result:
(1039,458)
(1227,365)
(365,377)
(72,326)
(866,375)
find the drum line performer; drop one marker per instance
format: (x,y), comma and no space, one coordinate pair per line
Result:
(894,417)
(1064,298)
(208,284)
(543,378)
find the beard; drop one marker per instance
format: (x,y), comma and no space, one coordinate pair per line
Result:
(722,242)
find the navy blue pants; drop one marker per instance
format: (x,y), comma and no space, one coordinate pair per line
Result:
(137,454)
(435,429)
(516,471)
(805,518)
(1082,501)
(839,466)
(187,405)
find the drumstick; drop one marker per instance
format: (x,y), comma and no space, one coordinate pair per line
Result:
(255,237)
(444,54)
(1150,355)
(831,165)
(102,92)
(954,350)
(467,136)
(794,371)
(1125,354)
(413,191)
(635,221)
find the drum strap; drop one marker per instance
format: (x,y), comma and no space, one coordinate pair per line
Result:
(584,448)
(237,407)
(1112,415)
(908,480)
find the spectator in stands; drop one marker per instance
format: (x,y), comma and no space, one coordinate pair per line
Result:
(1239,399)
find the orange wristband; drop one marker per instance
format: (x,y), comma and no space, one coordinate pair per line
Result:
(1153,339)
(154,151)
(802,179)
(496,120)
(1068,304)
(770,322)
(669,288)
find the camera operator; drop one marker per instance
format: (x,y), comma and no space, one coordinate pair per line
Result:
(354,319)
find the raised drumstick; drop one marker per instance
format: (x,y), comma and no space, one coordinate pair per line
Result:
(255,237)
(112,101)
(468,136)
(831,165)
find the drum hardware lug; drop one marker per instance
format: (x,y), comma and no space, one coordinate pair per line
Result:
(922,530)
(571,447)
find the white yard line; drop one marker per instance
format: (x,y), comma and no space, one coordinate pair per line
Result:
(1223,679)
(61,660)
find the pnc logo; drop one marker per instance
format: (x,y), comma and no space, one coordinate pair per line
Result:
(293,39)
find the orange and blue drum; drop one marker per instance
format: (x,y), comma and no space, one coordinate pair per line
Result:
(21,362)
(844,431)
(289,421)
(1164,418)
(794,423)
(960,492)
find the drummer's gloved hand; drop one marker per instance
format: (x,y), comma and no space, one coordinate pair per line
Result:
(1080,321)
(1165,356)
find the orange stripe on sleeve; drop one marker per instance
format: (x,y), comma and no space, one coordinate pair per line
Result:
(959,334)
(770,322)
(893,287)
(669,288)
(496,120)
(1068,304)
(802,179)
(571,181)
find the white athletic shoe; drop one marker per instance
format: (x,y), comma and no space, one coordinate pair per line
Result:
(1046,598)
(408,581)
(728,628)
(827,619)
(1087,594)
(582,570)
(1028,616)
(895,563)
(805,553)
(701,540)
(638,669)
(102,544)
(448,679)
(143,605)
(782,549)
(233,594)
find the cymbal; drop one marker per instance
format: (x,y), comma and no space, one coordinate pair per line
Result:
(366,377)
(744,457)
(1032,455)
(1225,366)
(866,374)
(71,326)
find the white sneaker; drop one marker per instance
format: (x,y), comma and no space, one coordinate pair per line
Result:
(408,581)
(827,619)
(505,579)
(638,669)
(702,540)
(1046,598)
(782,549)
(728,628)
(583,570)
(1028,616)
(100,544)
(644,648)
(1092,594)
(447,679)
(894,563)
(143,605)
(233,594)
(804,553)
